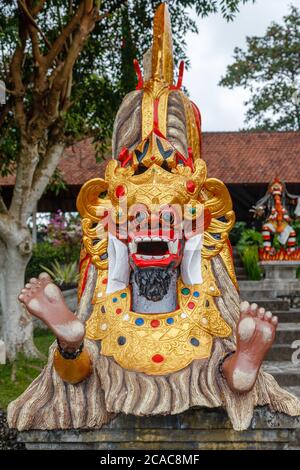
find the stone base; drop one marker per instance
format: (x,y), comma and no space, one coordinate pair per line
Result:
(196,429)
(280,270)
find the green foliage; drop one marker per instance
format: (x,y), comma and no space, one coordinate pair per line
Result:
(250,237)
(15,377)
(249,256)
(248,245)
(45,254)
(268,68)
(236,232)
(66,274)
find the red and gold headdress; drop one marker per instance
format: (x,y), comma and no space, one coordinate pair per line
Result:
(155,171)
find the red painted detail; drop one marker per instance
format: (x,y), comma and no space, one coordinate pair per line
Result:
(139,75)
(104,281)
(207,218)
(155,115)
(190,186)
(146,263)
(159,134)
(190,160)
(230,248)
(153,158)
(180,77)
(82,261)
(85,277)
(123,154)
(186,161)
(157,358)
(120,191)
(197,115)
(155,323)
(191,305)
(118,311)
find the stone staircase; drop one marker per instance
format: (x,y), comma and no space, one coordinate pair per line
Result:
(238,265)
(279,359)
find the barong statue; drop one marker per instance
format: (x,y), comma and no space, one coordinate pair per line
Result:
(159,326)
(278,209)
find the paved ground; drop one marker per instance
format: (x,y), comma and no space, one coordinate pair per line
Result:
(8,438)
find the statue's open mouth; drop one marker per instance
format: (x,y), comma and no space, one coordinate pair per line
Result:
(160,251)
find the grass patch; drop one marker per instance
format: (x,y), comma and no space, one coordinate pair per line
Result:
(15,377)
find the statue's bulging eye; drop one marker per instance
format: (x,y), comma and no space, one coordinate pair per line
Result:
(141,216)
(168,217)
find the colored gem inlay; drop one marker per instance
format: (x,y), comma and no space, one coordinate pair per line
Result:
(104,281)
(190,186)
(115,300)
(139,322)
(185,291)
(121,340)
(103,310)
(170,321)
(195,342)
(157,358)
(123,295)
(155,323)
(196,294)
(191,305)
(118,311)
(120,191)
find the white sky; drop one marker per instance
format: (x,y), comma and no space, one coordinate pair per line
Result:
(212,50)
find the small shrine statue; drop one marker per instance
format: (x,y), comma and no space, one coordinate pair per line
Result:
(159,327)
(278,208)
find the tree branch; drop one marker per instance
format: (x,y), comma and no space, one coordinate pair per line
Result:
(87,24)
(16,77)
(3,208)
(60,41)
(43,174)
(32,21)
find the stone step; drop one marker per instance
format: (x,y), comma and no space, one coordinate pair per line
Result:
(195,429)
(239,270)
(238,263)
(280,353)
(291,316)
(262,294)
(284,372)
(287,333)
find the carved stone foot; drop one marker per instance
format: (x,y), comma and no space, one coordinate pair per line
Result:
(44,300)
(255,335)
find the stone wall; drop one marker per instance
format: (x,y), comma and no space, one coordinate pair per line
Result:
(196,429)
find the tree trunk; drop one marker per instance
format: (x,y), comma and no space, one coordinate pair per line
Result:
(34,226)
(17,326)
